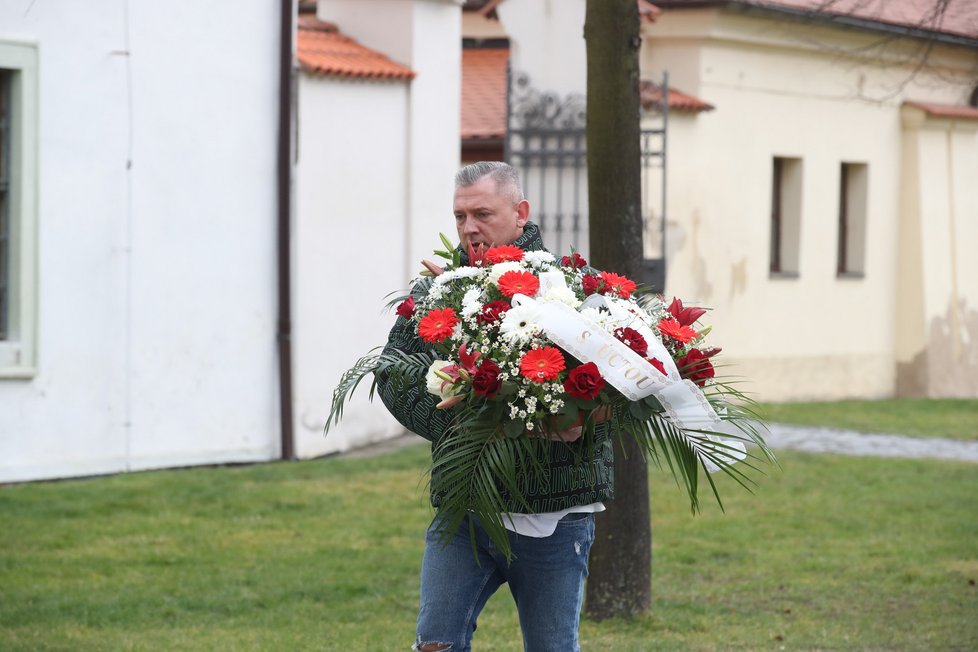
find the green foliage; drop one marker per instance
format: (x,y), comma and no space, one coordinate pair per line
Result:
(917,417)
(833,553)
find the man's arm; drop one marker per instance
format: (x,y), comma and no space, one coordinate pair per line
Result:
(408,398)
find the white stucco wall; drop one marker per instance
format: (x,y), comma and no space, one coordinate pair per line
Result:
(547,42)
(156,341)
(350,198)
(426,36)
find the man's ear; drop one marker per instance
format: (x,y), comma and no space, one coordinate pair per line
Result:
(522,212)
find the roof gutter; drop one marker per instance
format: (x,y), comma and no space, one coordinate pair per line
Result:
(283,333)
(911,31)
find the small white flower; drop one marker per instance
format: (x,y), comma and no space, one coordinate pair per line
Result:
(470,302)
(529,425)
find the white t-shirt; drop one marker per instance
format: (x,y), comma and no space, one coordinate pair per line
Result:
(543,525)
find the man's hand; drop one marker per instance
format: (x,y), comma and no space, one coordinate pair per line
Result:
(574,432)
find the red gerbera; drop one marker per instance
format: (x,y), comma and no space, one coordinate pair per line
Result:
(620,285)
(515,282)
(541,365)
(633,340)
(492,312)
(673,329)
(503,253)
(437,325)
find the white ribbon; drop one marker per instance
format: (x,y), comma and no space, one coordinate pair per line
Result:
(630,373)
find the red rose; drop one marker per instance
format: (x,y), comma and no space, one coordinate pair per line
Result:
(574,262)
(592,284)
(657,363)
(696,366)
(633,340)
(584,382)
(406,308)
(492,312)
(486,381)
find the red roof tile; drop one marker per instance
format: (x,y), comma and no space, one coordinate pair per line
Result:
(946,110)
(651,95)
(323,50)
(484,92)
(960,17)
(487,8)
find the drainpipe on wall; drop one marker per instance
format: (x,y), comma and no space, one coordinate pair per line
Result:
(284,233)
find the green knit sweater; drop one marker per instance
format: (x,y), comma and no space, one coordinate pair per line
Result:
(569,478)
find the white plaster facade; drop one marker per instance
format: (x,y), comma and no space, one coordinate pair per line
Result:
(374,185)
(787,89)
(154,330)
(821,96)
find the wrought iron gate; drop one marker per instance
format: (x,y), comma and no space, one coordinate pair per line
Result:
(545,140)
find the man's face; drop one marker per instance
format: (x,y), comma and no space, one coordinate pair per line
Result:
(483,216)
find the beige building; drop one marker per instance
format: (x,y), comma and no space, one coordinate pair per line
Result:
(826,207)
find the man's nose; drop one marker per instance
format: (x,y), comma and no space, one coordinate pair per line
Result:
(470,225)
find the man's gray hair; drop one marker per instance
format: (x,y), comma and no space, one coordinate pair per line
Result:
(507,177)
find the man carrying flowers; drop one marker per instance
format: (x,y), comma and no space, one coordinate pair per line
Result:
(549,505)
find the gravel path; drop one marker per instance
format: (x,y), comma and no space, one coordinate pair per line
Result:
(847,442)
(801,438)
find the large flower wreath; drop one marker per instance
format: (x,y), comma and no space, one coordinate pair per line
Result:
(524,347)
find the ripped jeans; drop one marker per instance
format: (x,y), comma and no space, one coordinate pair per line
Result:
(546,578)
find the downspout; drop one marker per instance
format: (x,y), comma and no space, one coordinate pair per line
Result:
(284,234)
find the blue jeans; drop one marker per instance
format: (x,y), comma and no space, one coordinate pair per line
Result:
(546,578)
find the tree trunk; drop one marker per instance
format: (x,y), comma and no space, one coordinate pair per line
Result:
(621,559)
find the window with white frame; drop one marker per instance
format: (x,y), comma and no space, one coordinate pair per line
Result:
(18,209)
(853,190)
(785,217)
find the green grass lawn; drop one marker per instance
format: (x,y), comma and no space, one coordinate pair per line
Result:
(830,553)
(951,418)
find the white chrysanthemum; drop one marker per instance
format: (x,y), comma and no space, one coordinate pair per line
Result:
(470,302)
(436,385)
(520,323)
(539,258)
(561,294)
(461,272)
(499,269)
(436,292)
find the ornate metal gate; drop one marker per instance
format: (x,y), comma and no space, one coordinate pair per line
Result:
(545,139)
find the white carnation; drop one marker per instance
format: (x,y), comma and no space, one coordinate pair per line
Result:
(539,258)
(561,294)
(499,269)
